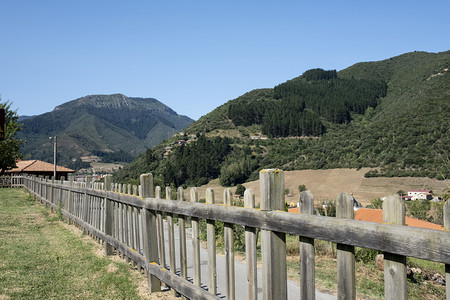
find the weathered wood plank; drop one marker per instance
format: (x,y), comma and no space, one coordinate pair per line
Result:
(86,201)
(126,225)
(394,265)
(108,226)
(183,286)
(307,252)
(182,232)
(171,237)
(161,241)
(397,239)
(149,232)
(69,199)
(195,240)
(250,249)
(229,249)
(345,253)
(273,244)
(60,202)
(211,244)
(131,227)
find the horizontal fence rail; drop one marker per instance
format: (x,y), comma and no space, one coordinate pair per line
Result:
(129,220)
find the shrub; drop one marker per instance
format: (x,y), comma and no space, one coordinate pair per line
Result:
(436,213)
(418,209)
(365,255)
(301,188)
(238,232)
(376,203)
(327,209)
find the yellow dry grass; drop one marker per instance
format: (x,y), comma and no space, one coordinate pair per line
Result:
(327,184)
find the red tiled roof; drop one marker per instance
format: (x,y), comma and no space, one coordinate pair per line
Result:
(376,215)
(37,166)
(294,210)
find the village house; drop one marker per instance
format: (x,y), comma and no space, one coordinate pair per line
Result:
(420,194)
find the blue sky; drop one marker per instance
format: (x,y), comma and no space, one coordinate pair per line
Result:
(196,55)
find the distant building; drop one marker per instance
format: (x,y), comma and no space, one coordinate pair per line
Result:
(376,215)
(39,168)
(420,194)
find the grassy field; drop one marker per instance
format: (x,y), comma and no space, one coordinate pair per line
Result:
(369,279)
(42,258)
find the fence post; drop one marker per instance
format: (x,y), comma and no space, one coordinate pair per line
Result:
(273,244)
(211,240)
(108,225)
(394,265)
(171,238)
(61,203)
(45,190)
(307,254)
(149,231)
(38,188)
(86,201)
(447,228)
(250,249)
(229,248)
(52,191)
(161,240)
(182,229)
(345,253)
(196,240)
(70,201)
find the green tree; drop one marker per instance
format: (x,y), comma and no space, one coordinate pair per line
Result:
(302,188)
(10,147)
(240,190)
(401,193)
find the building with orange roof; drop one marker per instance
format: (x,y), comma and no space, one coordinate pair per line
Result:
(39,168)
(376,215)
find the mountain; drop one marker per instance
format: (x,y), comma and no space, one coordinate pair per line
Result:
(390,115)
(103,127)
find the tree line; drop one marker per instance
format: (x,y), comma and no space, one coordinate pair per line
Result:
(300,106)
(192,164)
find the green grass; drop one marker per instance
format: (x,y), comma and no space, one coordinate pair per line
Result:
(369,279)
(42,259)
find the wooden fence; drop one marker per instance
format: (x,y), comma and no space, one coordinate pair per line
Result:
(129,220)
(7,181)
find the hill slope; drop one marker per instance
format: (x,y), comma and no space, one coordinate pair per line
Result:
(111,127)
(403,131)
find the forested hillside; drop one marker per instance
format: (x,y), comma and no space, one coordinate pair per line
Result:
(113,128)
(392,115)
(300,106)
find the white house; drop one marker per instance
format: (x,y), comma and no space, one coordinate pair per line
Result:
(420,194)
